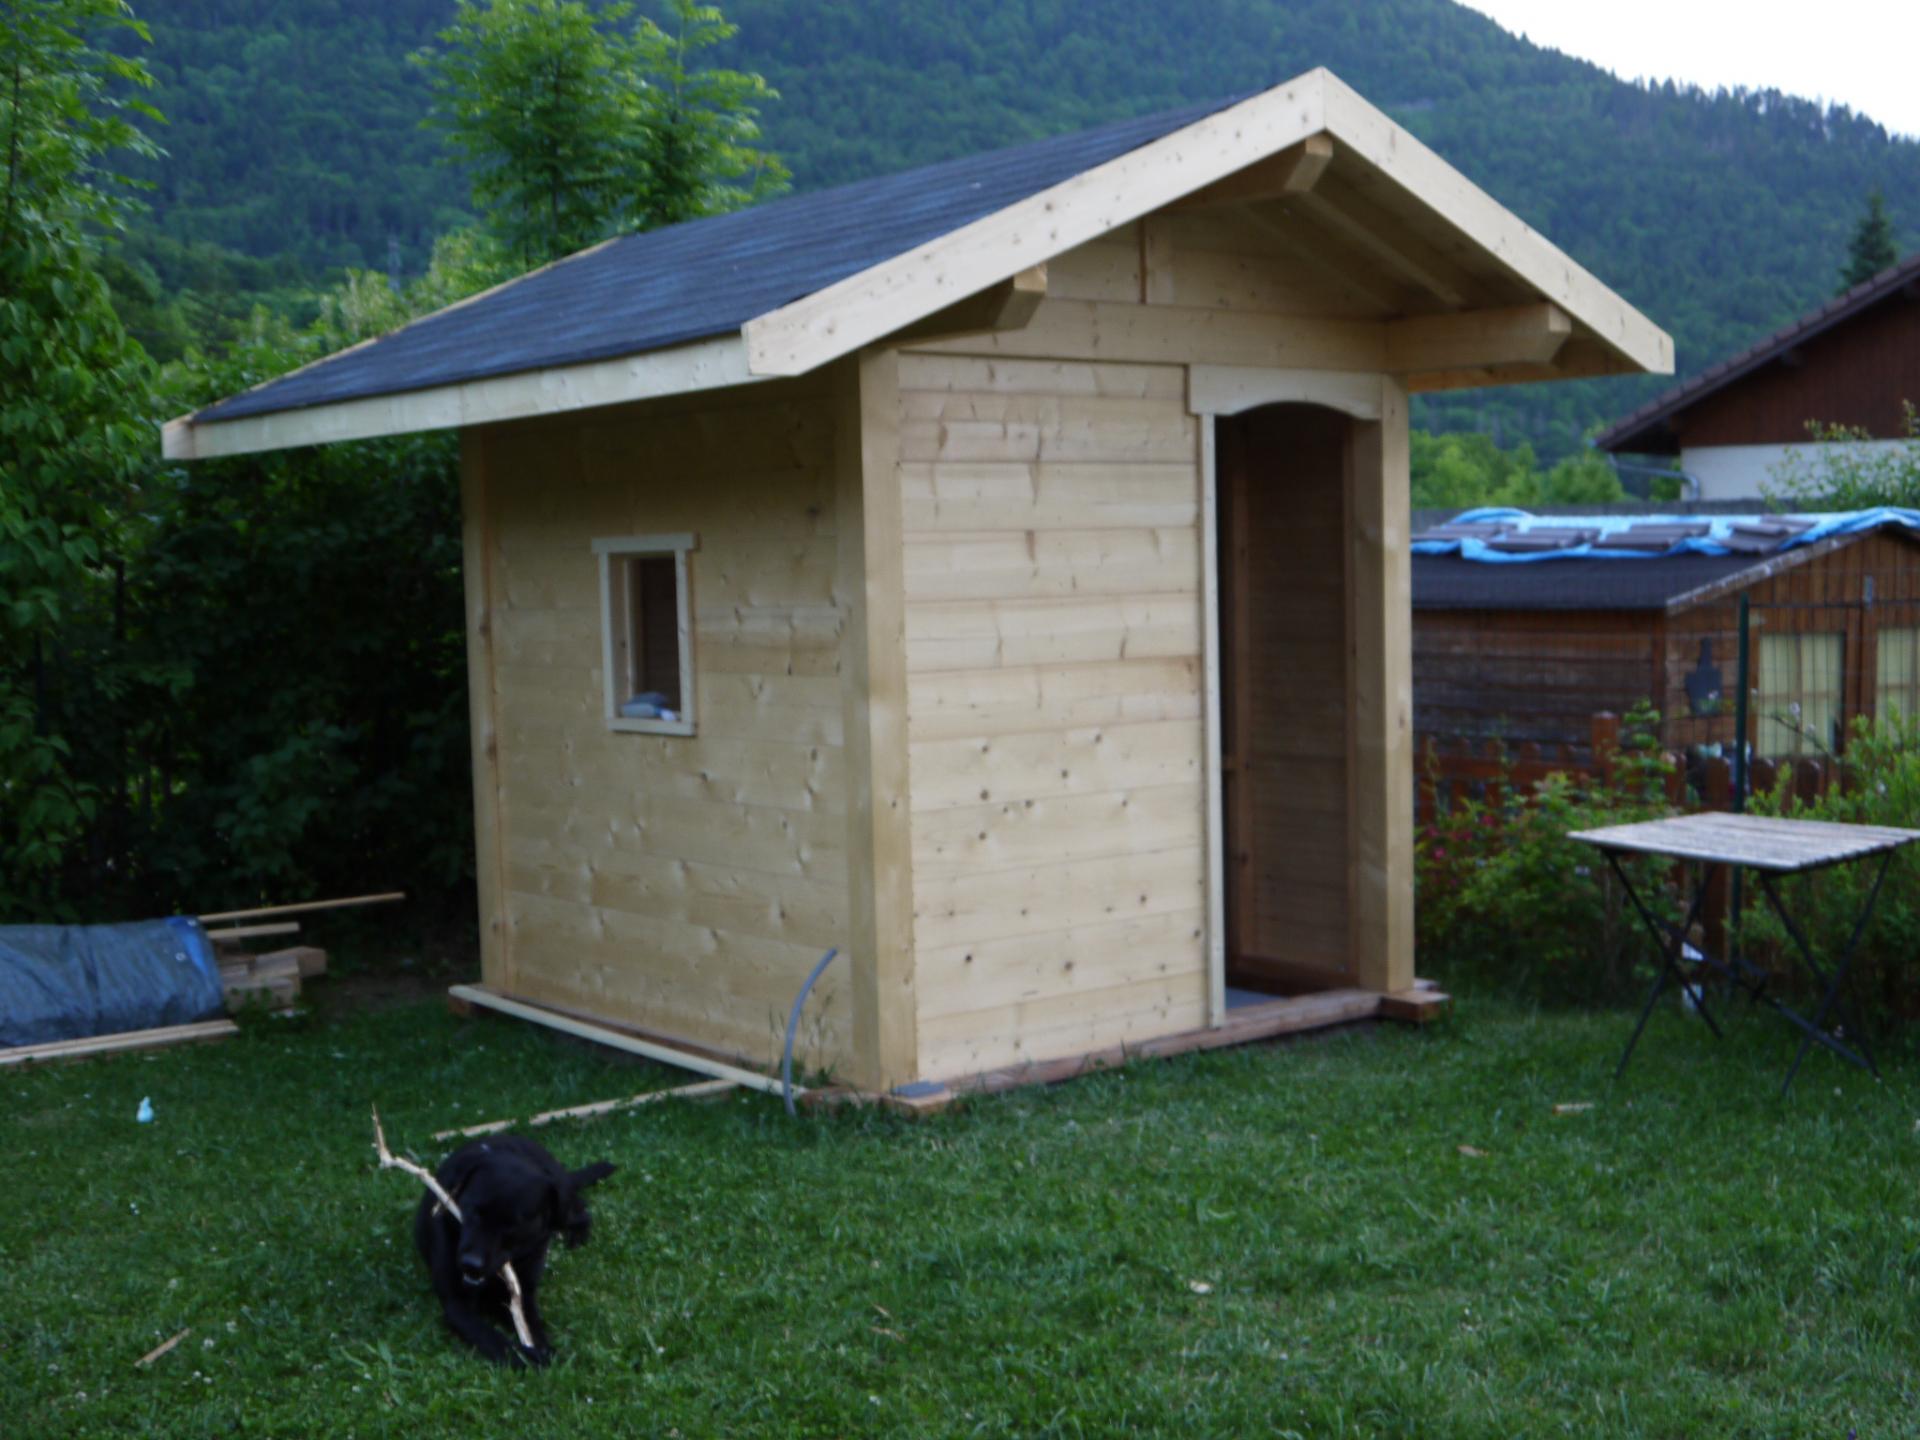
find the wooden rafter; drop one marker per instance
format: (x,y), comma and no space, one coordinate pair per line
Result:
(1294,171)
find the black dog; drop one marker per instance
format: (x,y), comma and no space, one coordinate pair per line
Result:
(513,1198)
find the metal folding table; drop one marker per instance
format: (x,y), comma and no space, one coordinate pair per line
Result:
(1771,848)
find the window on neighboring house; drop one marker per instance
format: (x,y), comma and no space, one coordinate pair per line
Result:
(646,621)
(1898,686)
(1797,694)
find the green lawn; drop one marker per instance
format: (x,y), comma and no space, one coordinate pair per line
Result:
(1277,1240)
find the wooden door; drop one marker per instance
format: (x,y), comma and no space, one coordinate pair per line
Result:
(1286,739)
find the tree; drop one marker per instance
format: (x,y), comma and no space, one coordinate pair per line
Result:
(534,95)
(1462,469)
(698,126)
(580,124)
(1872,248)
(73,437)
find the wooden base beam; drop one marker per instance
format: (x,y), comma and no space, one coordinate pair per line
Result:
(1422,1005)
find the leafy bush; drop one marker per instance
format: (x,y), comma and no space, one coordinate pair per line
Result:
(1503,898)
(1880,785)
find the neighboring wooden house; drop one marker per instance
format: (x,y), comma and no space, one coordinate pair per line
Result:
(1855,361)
(958,568)
(1529,653)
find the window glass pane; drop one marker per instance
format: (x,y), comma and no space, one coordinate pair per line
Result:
(657,626)
(1798,694)
(1895,690)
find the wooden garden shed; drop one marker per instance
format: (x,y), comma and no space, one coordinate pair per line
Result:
(998,571)
(1604,613)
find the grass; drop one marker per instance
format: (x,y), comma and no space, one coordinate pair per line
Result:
(1271,1241)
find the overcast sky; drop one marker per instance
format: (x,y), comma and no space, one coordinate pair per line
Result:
(1864,54)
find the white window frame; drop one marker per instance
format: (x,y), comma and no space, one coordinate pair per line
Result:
(614,618)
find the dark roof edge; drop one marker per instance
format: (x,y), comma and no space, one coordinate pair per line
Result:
(1623,434)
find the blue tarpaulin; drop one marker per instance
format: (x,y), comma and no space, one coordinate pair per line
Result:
(66,982)
(1718,529)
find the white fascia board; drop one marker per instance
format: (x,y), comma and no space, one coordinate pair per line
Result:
(703,365)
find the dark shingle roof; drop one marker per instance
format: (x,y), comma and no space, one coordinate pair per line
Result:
(1648,430)
(702,278)
(1450,582)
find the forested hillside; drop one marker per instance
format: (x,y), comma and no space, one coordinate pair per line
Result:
(295,139)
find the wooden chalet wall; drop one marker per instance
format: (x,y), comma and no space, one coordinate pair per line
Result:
(1826,593)
(1540,676)
(1052,580)
(1052,481)
(680,885)
(1529,677)
(1860,373)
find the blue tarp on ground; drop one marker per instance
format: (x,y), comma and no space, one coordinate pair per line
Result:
(1823,526)
(66,982)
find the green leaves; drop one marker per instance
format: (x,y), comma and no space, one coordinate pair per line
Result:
(580,124)
(72,396)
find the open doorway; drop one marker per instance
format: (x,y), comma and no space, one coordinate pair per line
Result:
(1285,699)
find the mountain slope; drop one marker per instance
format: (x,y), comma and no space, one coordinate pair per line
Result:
(295,129)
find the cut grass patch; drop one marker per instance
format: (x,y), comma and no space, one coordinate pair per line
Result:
(1275,1240)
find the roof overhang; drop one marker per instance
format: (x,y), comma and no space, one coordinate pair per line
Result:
(1553,320)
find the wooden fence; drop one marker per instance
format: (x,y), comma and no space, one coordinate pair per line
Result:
(1450,773)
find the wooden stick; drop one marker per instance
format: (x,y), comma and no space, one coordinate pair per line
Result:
(390,1161)
(304,906)
(120,1040)
(699,1090)
(247,932)
(162,1348)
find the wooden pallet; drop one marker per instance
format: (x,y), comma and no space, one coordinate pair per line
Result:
(270,981)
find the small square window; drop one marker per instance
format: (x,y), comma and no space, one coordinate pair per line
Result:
(646,622)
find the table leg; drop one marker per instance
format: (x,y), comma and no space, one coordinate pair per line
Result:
(1670,949)
(1830,1001)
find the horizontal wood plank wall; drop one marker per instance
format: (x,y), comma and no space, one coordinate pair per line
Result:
(1052,575)
(1527,676)
(1828,593)
(683,885)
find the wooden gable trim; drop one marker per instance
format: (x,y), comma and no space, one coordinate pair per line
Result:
(1518,248)
(1774,565)
(704,365)
(1267,137)
(877,301)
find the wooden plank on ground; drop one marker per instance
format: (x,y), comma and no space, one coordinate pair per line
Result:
(601,1035)
(120,1041)
(699,1090)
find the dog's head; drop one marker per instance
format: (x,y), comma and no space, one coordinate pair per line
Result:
(511,1205)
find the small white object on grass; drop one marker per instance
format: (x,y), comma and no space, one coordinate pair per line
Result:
(145,1113)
